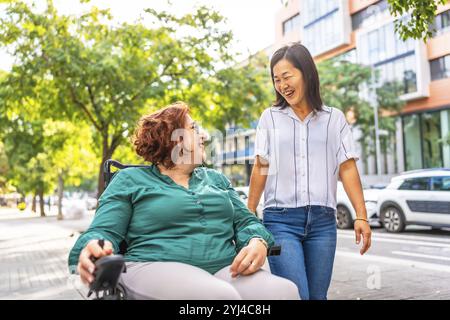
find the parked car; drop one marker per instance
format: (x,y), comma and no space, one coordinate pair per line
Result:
(243,193)
(345,214)
(420,197)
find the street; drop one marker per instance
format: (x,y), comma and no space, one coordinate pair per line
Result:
(411,265)
(414,264)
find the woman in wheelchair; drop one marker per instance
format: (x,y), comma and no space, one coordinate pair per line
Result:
(189,235)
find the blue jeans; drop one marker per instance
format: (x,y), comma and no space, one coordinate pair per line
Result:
(307,236)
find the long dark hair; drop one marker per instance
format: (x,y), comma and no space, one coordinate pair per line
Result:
(301,59)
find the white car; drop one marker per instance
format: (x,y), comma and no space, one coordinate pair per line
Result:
(345,214)
(243,193)
(420,197)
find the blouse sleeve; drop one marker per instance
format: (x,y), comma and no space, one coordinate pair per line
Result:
(262,137)
(111,217)
(346,146)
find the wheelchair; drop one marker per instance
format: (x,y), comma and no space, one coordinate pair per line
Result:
(106,284)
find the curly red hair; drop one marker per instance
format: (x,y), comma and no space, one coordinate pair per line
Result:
(152,137)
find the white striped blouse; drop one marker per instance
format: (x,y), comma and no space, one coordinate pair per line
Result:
(304,156)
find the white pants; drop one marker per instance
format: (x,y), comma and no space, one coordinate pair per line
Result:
(179,281)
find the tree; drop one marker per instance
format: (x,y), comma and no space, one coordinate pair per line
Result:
(416,24)
(108,75)
(71,156)
(27,161)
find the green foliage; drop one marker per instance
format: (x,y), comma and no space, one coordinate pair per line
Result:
(416,24)
(89,71)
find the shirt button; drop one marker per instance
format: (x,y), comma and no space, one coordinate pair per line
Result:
(198,202)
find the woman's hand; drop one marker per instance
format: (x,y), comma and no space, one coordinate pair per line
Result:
(363,228)
(250,259)
(85,265)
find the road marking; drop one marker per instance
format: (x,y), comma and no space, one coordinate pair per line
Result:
(419,255)
(419,243)
(404,262)
(395,236)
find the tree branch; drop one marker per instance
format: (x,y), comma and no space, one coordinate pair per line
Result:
(83,107)
(139,93)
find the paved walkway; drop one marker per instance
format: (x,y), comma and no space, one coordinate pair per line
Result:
(33,253)
(33,265)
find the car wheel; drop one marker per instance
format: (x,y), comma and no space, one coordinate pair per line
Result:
(393,219)
(343,218)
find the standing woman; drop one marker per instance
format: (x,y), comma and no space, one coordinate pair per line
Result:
(302,147)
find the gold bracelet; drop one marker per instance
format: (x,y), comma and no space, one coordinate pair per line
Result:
(262,240)
(362,219)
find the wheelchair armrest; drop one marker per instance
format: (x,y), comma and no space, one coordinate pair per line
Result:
(274,251)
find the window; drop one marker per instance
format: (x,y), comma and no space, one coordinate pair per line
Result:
(412,142)
(422,136)
(382,45)
(291,24)
(368,15)
(440,68)
(441,183)
(415,184)
(401,69)
(322,26)
(431,134)
(441,24)
(349,56)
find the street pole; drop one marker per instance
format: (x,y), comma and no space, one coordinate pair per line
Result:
(374,10)
(377,134)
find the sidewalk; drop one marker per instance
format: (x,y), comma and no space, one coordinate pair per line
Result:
(34,251)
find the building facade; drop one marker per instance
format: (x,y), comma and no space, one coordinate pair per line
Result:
(362,31)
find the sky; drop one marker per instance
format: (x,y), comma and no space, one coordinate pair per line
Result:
(252,21)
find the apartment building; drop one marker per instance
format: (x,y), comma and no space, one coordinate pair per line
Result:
(362,31)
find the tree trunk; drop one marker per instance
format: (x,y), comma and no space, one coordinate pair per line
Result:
(41,202)
(106,154)
(33,203)
(60,195)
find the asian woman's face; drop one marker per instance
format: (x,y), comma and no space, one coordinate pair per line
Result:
(289,82)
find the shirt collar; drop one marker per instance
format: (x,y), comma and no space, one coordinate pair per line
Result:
(289,112)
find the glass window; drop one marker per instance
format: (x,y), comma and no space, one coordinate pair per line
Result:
(431,132)
(321,25)
(412,142)
(368,15)
(349,56)
(441,24)
(291,24)
(440,68)
(440,183)
(373,46)
(416,184)
(409,75)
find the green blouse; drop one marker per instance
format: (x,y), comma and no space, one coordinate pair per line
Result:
(204,225)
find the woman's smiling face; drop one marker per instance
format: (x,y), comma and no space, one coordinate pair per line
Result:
(289,82)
